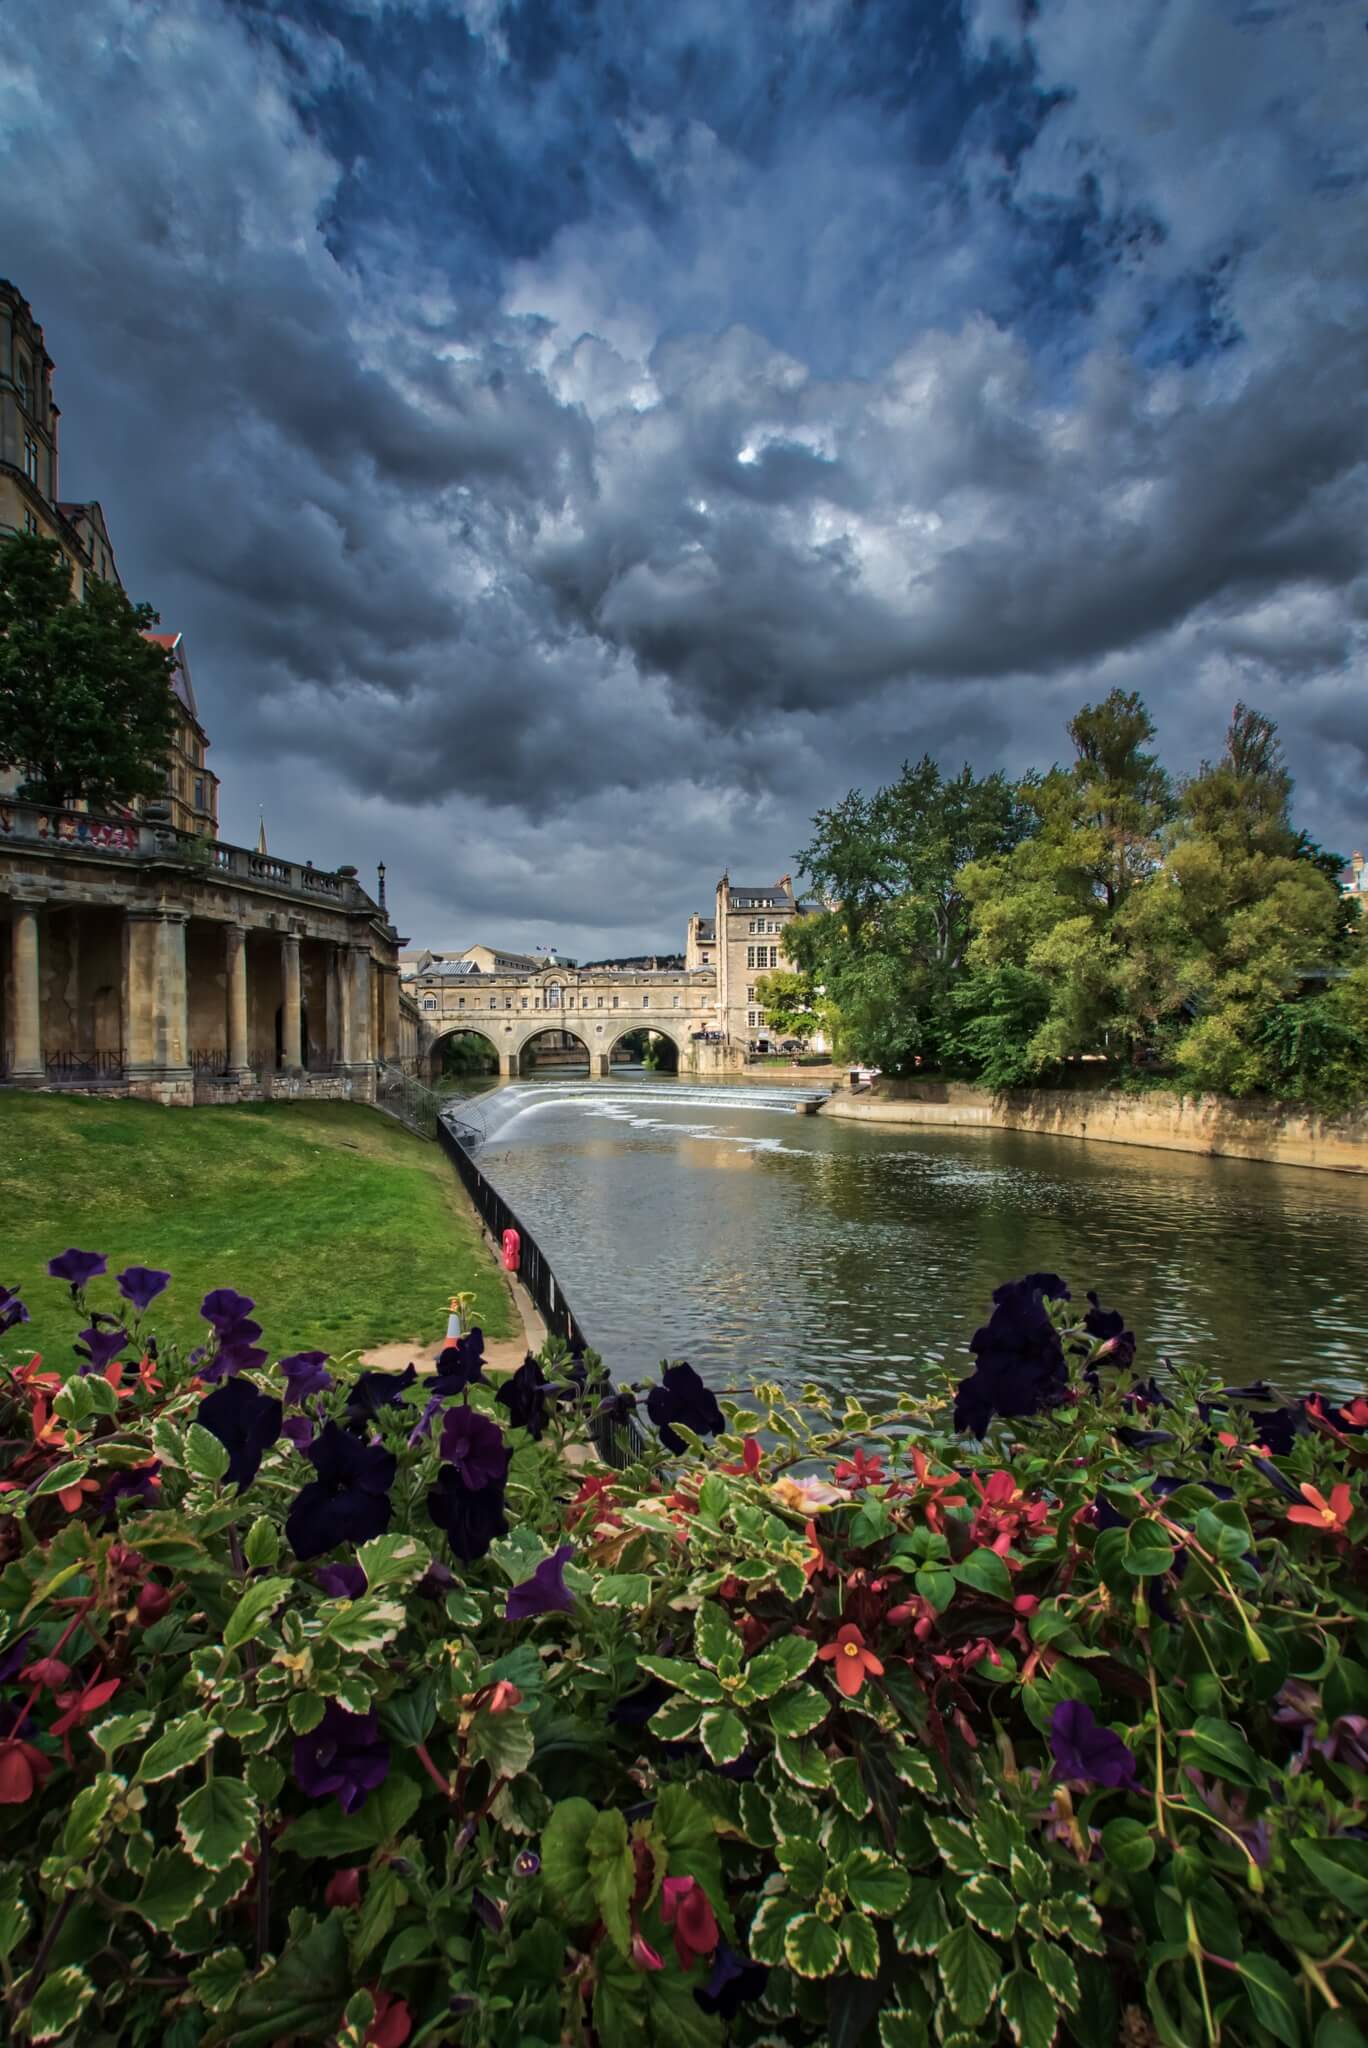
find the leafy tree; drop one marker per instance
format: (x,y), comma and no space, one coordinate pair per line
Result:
(788,1002)
(893,938)
(1053,909)
(86,709)
(1258,917)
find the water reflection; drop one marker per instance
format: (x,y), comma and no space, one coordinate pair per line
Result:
(710,1221)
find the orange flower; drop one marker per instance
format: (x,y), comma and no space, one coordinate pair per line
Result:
(853,1661)
(1322,1513)
(147,1376)
(936,1484)
(71,1496)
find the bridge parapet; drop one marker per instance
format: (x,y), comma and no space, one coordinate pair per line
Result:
(598,1006)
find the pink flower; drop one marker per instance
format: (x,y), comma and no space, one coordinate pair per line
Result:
(852,1660)
(1333,1514)
(644,1956)
(685,1907)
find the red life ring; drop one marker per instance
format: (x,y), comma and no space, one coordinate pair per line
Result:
(512,1251)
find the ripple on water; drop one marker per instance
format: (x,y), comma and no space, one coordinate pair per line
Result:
(708,1221)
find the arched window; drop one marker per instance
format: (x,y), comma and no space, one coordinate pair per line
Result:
(553,996)
(429,1002)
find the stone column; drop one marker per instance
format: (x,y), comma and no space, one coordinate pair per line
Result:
(332,1024)
(291,1049)
(362,1062)
(27,1062)
(389,1013)
(599,1065)
(510,1065)
(235,956)
(343,999)
(155,1005)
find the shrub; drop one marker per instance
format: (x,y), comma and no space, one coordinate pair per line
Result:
(348,1707)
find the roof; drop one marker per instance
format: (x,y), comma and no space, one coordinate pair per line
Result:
(763,895)
(707,927)
(181,685)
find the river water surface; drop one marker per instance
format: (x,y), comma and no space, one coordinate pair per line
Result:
(709,1221)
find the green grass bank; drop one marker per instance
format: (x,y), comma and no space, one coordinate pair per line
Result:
(346,1229)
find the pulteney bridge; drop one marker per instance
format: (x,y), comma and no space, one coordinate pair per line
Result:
(596,1006)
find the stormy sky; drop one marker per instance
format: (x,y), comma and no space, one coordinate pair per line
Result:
(578,438)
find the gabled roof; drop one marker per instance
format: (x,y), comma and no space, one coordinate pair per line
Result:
(763,896)
(181,684)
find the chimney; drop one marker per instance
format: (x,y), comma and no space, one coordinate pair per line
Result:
(786,882)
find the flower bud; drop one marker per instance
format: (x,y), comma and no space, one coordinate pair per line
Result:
(344,1889)
(152,1603)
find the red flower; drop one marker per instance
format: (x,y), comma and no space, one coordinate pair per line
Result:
(852,1660)
(1333,1514)
(72,1496)
(153,1602)
(644,1956)
(859,1471)
(751,1457)
(48,1671)
(592,1490)
(919,1612)
(503,1697)
(344,1888)
(684,1906)
(79,1706)
(393,2023)
(22,1771)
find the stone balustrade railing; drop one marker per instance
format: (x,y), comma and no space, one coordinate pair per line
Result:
(56,831)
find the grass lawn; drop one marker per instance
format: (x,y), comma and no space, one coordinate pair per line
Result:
(345,1229)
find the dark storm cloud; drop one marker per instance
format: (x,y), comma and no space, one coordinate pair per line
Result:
(577,445)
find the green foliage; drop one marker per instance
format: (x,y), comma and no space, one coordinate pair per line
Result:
(1102,1766)
(1092,914)
(789,1004)
(86,710)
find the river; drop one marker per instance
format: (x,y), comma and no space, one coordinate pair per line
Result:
(709,1221)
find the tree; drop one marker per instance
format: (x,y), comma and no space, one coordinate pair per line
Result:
(788,1002)
(1258,920)
(893,937)
(86,708)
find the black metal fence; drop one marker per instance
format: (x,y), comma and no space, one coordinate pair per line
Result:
(616,1445)
(83,1067)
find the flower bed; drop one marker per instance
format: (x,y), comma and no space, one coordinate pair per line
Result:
(343,1707)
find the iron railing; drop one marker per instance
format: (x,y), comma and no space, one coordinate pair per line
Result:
(616,1445)
(76,1067)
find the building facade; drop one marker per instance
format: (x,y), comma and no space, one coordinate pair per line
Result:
(30,502)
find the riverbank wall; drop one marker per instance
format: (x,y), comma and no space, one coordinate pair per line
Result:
(1211,1124)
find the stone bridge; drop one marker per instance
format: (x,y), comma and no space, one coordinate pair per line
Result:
(596,1006)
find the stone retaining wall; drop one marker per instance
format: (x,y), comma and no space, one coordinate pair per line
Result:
(1211,1124)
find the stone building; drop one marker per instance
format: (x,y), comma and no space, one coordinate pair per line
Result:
(748,925)
(30,503)
(146,962)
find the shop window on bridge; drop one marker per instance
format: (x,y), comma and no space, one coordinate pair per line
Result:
(524,1001)
(645,1002)
(429,1002)
(615,1002)
(674,1002)
(493,1002)
(600,1002)
(460,1002)
(553,996)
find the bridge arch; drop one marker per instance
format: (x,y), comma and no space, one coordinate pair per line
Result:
(572,1056)
(650,1029)
(484,1050)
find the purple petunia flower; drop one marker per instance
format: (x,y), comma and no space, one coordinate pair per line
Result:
(345,1754)
(525,1397)
(546,1591)
(377,1390)
(100,1347)
(230,1359)
(683,1397)
(460,1364)
(246,1422)
(1086,1751)
(15,1658)
(1020,1365)
(474,1446)
(469,1519)
(341,1581)
(77,1267)
(299,1429)
(733,1982)
(12,1310)
(304,1375)
(140,1285)
(349,1501)
(138,1482)
(526,1863)
(436,1581)
(422,1428)
(224,1306)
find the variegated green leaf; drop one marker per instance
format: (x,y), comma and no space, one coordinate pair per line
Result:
(875,1883)
(171,1890)
(254,1609)
(766,1938)
(849,1786)
(811,1948)
(1029,2011)
(803,1762)
(688,1678)
(990,1905)
(89,1813)
(899,2028)
(798,1711)
(715,1640)
(970,1971)
(859,1944)
(915,1770)
(676,1720)
(723,1735)
(218,1979)
(778,1665)
(757,1817)
(180,1744)
(217,1822)
(922,1923)
(62,1997)
(803,1864)
(393,1562)
(1056,1972)
(364,1626)
(959,1851)
(1078,1919)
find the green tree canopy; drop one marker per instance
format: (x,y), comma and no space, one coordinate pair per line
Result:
(86,709)
(892,939)
(788,1001)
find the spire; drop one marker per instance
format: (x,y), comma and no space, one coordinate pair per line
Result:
(261,832)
